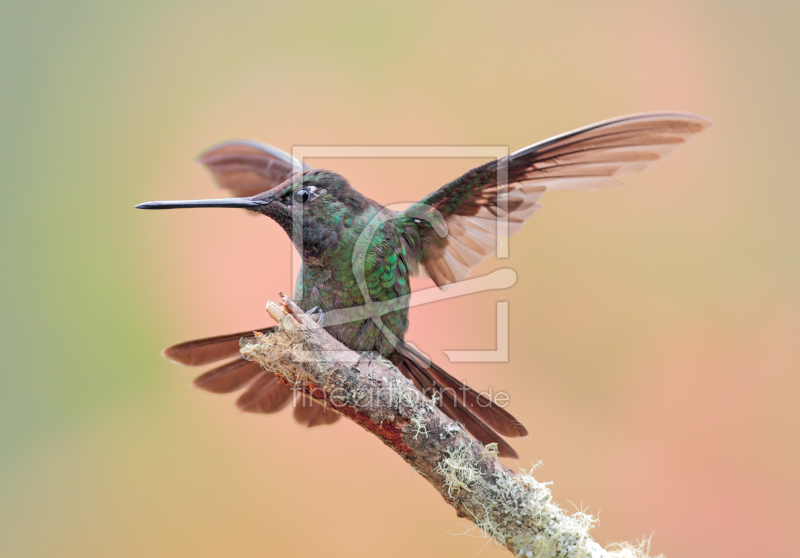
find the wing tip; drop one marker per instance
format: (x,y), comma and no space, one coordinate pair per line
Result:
(662,114)
(701,123)
(203,157)
(173,353)
(206,157)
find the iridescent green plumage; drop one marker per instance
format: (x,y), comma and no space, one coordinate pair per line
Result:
(329,280)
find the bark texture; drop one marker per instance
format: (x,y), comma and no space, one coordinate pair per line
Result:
(513,508)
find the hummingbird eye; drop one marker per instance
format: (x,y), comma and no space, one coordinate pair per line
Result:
(302,195)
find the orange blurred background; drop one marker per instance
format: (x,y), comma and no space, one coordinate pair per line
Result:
(654,328)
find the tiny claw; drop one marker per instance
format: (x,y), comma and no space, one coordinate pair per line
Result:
(369,354)
(317,315)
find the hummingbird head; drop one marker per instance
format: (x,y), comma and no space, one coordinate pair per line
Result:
(313,208)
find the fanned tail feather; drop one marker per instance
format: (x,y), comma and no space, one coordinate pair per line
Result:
(311,413)
(476,418)
(209,349)
(229,377)
(266,394)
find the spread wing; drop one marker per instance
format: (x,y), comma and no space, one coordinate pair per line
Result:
(589,158)
(246,168)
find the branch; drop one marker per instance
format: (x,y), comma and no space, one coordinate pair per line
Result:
(513,508)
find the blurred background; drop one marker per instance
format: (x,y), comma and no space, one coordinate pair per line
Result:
(654,328)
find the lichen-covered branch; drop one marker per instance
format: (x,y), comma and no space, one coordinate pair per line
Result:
(513,508)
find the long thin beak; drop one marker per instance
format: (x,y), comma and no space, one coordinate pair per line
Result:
(243,203)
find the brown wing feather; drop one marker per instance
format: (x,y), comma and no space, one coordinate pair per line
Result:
(593,157)
(246,168)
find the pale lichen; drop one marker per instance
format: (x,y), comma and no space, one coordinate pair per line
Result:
(459,468)
(641,549)
(519,512)
(407,396)
(432,402)
(514,509)
(418,426)
(492,449)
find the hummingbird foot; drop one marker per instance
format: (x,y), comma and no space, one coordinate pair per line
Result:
(317,314)
(369,355)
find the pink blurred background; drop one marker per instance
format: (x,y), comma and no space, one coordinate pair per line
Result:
(654,350)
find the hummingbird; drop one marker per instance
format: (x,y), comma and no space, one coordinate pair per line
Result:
(356,253)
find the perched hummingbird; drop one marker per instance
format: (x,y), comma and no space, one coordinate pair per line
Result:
(448,233)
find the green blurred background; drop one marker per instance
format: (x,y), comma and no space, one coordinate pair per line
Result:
(655,328)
